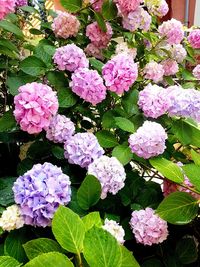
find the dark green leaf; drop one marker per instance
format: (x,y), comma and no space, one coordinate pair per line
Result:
(6,193)
(10,27)
(66,98)
(106,139)
(58,152)
(33,66)
(109,10)
(187,250)
(71,5)
(129,102)
(100,20)
(7,122)
(9,45)
(108,120)
(122,153)
(29,9)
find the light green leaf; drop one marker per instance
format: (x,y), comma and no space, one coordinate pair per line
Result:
(6,261)
(125,124)
(29,9)
(101,249)
(168,169)
(106,139)
(109,10)
(36,247)
(68,230)
(122,153)
(71,5)
(32,66)
(7,122)
(92,219)
(89,192)
(195,157)
(192,171)
(128,259)
(50,259)
(66,98)
(178,208)
(10,27)
(96,64)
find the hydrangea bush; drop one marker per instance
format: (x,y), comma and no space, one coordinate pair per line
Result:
(99,136)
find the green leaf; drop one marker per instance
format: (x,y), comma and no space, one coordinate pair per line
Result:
(187,250)
(71,5)
(5,51)
(169,169)
(6,261)
(66,98)
(192,171)
(128,259)
(109,10)
(195,157)
(92,219)
(96,64)
(89,192)
(187,75)
(122,153)
(106,139)
(9,45)
(178,208)
(58,152)
(100,20)
(10,27)
(129,102)
(101,249)
(108,120)
(125,124)
(68,230)
(7,122)
(33,66)
(153,263)
(50,259)
(57,79)
(29,9)
(6,193)
(39,246)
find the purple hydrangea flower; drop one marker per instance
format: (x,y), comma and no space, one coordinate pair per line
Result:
(82,149)
(20,3)
(111,174)
(149,140)
(40,191)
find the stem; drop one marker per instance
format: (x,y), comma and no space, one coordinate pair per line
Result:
(79,260)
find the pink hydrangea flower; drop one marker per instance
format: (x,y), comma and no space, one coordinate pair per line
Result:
(120,73)
(88,84)
(196,72)
(170,67)
(148,141)
(127,6)
(96,4)
(178,52)
(148,227)
(122,47)
(35,105)
(152,101)
(70,57)
(172,30)
(159,9)
(92,50)
(60,129)
(65,25)
(99,38)
(194,38)
(154,71)
(20,3)
(6,7)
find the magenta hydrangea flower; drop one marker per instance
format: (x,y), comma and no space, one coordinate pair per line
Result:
(160,8)
(20,3)
(99,38)
(148,227)
(92,50)
(127,6)
(6,7)
(88,84)
(110,173)
(196,72)
(40,191)
(154,71)
(82,149)
(35,105)
(170,67)
(194,38)
(70,57)
(178,52)
(172,30)
(65,25)
(96,4)
(60,129)
(149,140)
(120,73)
(152,101)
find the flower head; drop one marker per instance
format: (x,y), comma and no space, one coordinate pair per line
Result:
(97,4)
(6,7)
(154,71)
(82,149)
(194,38)
(70,57)
(94,51)
(40,191)
(120,73)
(158,8)
(170,67)
(65,25)
(110,173)
(20,3)
(115,230)
(196,72)
(35,105)
(148,227)
(149,140)
(11,218)
(178,52)
(122,47)
(127,6)
(88,84)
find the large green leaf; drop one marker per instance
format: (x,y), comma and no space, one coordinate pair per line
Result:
(33,66)
(129,102)
(10,27)
(71,5)
(122,153)
(109,10)
(192,171)
(187,250)
(7,122)
(8,44)
(91,219)
(125,124)
(128,259)
(168,169)
(195,157)
(68,230)
(36,247)
(66,98)
(178,208)
(50,259)
(6,193)
(106,139)
(101,249)
(6,261)
(89,192)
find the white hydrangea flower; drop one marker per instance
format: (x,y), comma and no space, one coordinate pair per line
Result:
(114,229)
(122,47)
(11,218)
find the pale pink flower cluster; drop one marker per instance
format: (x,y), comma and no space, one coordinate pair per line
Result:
(97,4)
(65,25)
(159,8)
(70,57)
(115,230)
(88,84)
(92,50)
(172,30)
(154,71)
(170,67)
(149,140)
(127,6)
(178,52)
(148,227)
(6,7)
(35,105)
(194,38)
(152,101)
(122,47)
(120,73)
(196,72)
